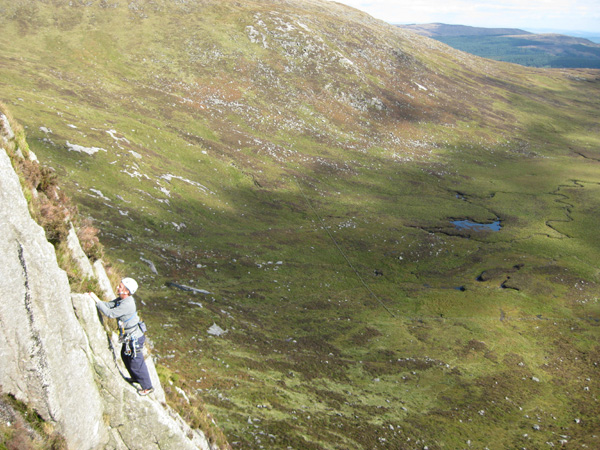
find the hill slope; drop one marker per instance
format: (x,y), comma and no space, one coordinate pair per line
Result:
(304,163)
(516,46)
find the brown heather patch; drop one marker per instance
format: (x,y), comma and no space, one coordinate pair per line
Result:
(90,243)
(50,206)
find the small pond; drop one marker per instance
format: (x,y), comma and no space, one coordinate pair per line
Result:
(475,226)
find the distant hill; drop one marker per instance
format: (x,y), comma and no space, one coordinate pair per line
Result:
(515,45)
(436,30)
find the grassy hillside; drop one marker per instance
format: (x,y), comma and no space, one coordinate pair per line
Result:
(304,163)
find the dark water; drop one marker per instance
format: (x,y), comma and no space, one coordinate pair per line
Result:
(475,226)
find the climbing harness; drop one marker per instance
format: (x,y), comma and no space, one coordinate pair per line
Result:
(131,339)
(123,327)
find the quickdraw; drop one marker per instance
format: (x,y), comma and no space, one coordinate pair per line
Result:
(131,345)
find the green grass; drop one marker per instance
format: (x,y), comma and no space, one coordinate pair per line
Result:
(293,190)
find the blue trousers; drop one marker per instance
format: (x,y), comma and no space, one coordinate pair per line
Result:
(133,357)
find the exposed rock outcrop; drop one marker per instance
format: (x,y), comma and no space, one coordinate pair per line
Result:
(55,353)
(78,254)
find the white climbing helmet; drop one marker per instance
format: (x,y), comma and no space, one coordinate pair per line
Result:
(130,284)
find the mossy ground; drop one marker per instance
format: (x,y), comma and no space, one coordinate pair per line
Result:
(357,315)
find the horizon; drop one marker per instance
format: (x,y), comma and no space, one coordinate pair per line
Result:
(575,33)
(578,17)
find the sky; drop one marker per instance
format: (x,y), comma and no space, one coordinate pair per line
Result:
(530,15)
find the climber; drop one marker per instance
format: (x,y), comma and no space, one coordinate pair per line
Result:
(131,332)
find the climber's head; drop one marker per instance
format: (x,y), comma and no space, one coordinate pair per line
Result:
(127,287)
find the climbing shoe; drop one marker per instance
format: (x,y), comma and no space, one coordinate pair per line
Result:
(143,392)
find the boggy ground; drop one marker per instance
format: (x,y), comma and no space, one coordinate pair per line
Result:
(346,327)
(304,166)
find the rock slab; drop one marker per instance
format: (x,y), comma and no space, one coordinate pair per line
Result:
(56,355)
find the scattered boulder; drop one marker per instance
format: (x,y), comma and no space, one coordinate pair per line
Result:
(150,264)
(216,330)
(183,287)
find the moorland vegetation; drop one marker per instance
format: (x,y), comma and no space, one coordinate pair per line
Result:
(304,163)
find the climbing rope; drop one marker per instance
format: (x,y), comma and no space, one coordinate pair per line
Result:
(362,281)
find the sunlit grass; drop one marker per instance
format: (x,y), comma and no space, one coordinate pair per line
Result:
(357,316)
